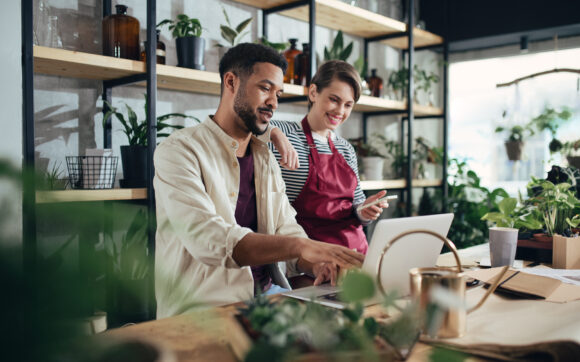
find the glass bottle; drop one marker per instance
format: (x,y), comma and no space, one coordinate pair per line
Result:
(121,35)
(375,84)
(302,66)
(160,51)
(54,40)
(290,54)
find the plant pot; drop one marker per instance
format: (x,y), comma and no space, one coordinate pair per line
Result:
(134,160)
(373,168)
(524,235)
(566,254)
(190,52)
(514,150)
(543,238)
(574,161)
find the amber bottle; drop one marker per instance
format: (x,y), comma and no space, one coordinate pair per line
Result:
(375,84)
(121,35)
(160,51)
(290,54)
(302,66)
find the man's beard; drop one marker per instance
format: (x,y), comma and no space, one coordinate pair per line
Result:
(246,113)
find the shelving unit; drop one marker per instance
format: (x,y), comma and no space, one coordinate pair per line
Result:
(114,72)
(73,64)
(372,27)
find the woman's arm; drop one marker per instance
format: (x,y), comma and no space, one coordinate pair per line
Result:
(288,154)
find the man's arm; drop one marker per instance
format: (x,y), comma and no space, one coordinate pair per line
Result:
(258,249)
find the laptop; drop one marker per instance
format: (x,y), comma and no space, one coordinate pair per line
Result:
(417,250)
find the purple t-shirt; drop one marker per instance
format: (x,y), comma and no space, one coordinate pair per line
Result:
(247,214)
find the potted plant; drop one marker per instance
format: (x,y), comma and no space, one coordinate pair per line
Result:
(189,43)
(372,160)
(514,142)
(557,204)
(230,34)
(399,80)
(424,153)
(134,155)
(424,81)
(551,119)
(338,51)
(510,216)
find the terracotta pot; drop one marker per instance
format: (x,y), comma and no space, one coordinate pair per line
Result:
(514,150)
(544,238)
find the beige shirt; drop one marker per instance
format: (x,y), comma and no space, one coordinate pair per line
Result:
(196,189)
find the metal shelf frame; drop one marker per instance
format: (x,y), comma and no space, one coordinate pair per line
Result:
(29,203)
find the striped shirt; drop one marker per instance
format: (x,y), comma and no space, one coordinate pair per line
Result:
(296,179)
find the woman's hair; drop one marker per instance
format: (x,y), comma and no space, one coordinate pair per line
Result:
(339,70)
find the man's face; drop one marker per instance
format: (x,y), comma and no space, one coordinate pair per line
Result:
(257,97)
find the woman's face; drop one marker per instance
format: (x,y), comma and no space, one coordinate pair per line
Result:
(330,107)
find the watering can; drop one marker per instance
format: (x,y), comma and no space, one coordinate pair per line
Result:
(424,280)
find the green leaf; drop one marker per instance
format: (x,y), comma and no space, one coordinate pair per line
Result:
(241,26)
(507,206)
(346,52)
(226,16)
(357,286)
(228,34)
(337,44)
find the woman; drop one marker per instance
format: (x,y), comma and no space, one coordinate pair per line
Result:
(325,188)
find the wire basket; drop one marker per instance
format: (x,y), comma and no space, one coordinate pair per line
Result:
(92,172)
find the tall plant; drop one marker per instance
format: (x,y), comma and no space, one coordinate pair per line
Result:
(136,130)
(338,51)
(230,34)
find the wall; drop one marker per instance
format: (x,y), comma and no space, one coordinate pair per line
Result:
(11,106)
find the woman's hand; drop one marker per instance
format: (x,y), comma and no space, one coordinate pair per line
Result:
(324,272)
(373,212)
(288,155)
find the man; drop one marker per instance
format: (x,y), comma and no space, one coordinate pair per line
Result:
(224,220)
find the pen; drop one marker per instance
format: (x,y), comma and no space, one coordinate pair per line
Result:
(390,197)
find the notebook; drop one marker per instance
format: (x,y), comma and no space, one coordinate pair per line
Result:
(418,250)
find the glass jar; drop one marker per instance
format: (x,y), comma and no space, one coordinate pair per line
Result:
(375,84)
(54,40)
(290,54)
(160,51)
(121,35)
(302,66)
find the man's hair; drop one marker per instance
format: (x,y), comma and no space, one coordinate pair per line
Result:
(337,69)
(241,59)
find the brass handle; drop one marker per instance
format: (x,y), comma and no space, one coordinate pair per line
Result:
(446,241)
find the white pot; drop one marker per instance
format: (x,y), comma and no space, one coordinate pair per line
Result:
(373,168)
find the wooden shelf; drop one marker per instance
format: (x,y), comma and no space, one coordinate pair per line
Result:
(397,184)
(90,195)
(337,15)
(74,64)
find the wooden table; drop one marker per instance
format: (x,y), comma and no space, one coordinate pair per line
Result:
(202,335)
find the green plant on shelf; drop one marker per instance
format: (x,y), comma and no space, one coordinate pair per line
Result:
(183,26)
(338,51)
(276,46)
(136,130)
(230,34)
(515,133)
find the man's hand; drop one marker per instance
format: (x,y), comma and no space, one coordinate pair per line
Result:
(288,155)
(316,252)
(324,272)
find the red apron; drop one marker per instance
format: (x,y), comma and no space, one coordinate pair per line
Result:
(325,205)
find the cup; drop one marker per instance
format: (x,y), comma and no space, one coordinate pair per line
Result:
(502,245)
